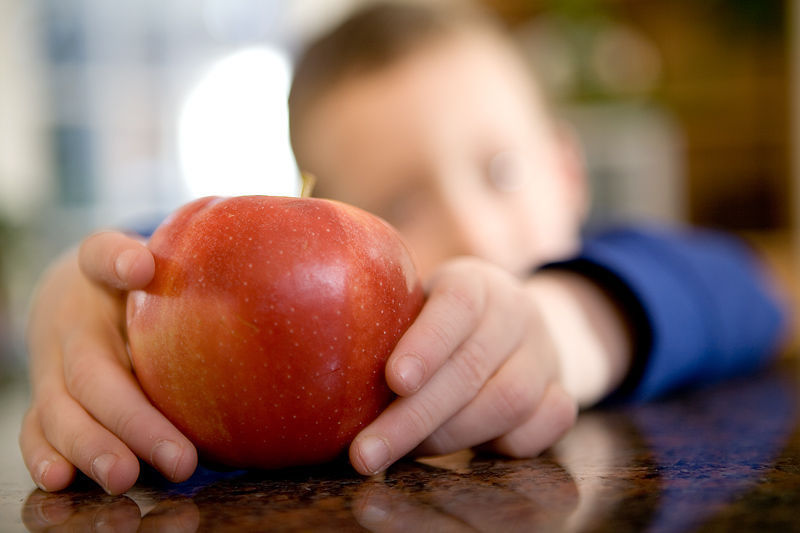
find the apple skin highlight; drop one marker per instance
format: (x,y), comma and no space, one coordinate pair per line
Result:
(265,332)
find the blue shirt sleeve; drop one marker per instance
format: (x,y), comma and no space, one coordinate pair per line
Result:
(699,304)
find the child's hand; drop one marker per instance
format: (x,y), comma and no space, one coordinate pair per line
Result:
(478,366)
(87,410)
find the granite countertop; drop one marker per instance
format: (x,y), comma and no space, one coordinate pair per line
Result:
(725,457)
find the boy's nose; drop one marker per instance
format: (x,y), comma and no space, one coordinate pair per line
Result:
(469,228)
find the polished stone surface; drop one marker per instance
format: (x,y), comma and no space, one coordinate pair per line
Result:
(725,457)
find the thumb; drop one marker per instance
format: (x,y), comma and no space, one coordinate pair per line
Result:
(116,260)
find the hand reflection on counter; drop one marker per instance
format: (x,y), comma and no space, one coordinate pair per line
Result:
(667,466)
(453,493)
(462,492)
(96,511)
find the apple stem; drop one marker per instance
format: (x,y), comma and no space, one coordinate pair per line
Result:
(307,184)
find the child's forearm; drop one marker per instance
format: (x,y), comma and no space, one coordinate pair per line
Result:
(591,334)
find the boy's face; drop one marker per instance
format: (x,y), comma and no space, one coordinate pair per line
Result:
(450,146)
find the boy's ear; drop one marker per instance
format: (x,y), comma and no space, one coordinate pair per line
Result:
(573,162)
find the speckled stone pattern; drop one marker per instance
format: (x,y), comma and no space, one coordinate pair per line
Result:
(725,457)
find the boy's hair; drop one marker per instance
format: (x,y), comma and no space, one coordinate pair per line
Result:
(370,39)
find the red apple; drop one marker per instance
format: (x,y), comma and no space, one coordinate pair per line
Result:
(265,332)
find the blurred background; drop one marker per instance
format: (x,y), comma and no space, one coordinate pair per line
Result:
(114,113)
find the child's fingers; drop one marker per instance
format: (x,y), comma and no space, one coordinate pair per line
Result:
(116,260)
(451,313)
(67,306)
(109,392)
(410,420)
(69,429)
(507,400)
(553,417)
(49,469)
(85,443)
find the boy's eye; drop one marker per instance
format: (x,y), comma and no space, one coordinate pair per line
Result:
(506,171)
(403,207)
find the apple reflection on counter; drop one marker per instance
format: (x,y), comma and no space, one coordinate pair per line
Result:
(668,466)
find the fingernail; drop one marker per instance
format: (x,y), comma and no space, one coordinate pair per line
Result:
(41,472)
(165,456)
(410,369)
(374,454)
(101,468)
(124,263)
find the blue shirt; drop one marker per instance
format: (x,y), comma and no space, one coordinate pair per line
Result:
(698,301)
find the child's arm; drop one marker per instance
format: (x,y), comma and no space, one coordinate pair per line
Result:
(87,410)
(702,305)
(484,364)
(638,314)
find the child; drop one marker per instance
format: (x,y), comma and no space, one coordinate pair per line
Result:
(429,119)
